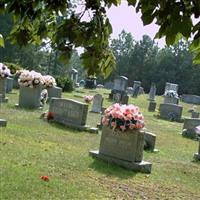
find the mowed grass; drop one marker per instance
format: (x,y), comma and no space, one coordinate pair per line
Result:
(30,147)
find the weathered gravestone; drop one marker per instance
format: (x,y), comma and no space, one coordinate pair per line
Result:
(3,82)
(189,98)
(97,103)
(197,155)
(152,106)
(54,92)
(69,112)
(124,149)
(171,100)
(152,92)
(30,97)
(194,114)
(9,85)
(136,88)
(170,111)
(189,127)
(141,91)
(120,85)
(149,141)
(171,86)
(3,123)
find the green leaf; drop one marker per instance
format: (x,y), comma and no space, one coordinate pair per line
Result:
(1,41)
(196,59)
(132,2)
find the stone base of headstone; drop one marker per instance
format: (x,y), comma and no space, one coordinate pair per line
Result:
(93,130)
(142,166)
(3,123)
(197,156)
(171,112)
(99,126)
(149,141)
(152,106)
(171,100)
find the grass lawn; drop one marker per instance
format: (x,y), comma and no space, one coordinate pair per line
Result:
(30,147)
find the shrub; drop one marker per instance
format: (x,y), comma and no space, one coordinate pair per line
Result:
(65,83)
(13,67)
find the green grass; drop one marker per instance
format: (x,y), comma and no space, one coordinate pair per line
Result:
(31,147)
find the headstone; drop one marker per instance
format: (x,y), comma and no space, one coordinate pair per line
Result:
(149,141)
(171,86)
(197,155)
(69,112)
(189,127)
(141,91)
(189,98)
(152,93)
(152,106)
(123,148)
(9,85)
(124,99)
(30,97)
(54,92)
(74,76)
(117,97)
(97,103)
(130,90)
(3,123)
(90,83)
(82,83)
(171,100)
(3,82)
(15,82)
(136,88)
(170,111)
(195,114)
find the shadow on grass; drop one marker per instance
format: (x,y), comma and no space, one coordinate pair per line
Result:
(111,169)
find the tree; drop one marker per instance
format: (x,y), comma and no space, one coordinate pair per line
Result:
(62,23)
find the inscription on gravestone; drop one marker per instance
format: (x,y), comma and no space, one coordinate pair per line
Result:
(69,112)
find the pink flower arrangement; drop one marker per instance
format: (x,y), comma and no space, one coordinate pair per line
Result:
(88,98)
(4,71)
(49,81)
(123,117)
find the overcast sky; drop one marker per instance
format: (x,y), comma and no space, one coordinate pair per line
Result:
(125,17)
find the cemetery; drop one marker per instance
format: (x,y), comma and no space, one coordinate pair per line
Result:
(97,105)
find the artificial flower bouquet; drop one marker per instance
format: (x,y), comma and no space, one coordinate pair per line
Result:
(88,98)
(123,117)
(30,79)
(4,71)
(171,93)
(49,81)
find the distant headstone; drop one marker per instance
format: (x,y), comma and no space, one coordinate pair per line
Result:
(197,155)
(74,76)
(15,83)
(189,98)
(100,86)
(30,97)
(130,90)
(189,127)
(97,103)
(69,112)
(152,106)
(171,100)
(171,86)
(152,93)
(149,141)
(54,92)
(136,88)
(117,97)
(3,82)
(3,123)
(124,149)
(90,83)
(170,111)
(9,85)
(141,91)
(109,85)
(195,114)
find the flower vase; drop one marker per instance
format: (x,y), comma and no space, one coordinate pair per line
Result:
(30,97)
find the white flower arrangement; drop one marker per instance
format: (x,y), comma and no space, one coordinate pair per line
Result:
(30,79)
(171,93)
(49,81)
(4,71)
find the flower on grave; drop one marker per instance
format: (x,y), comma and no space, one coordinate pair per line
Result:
(123,117)
(45,178)
(171,93)
(50,116)
(30,79)
(49,81)
(4,71)
(88,98)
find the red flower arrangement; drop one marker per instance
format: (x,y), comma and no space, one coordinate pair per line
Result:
(45,178)
(50,116)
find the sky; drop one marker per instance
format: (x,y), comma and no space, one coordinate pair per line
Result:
(125,17)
